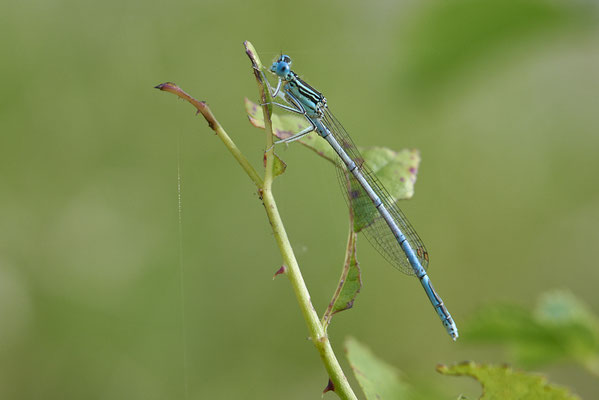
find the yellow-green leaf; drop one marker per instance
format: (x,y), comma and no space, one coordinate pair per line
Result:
(378,380)
(504,383)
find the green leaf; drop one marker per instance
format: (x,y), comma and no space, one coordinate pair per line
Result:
(505,383)
(350,282)
(279,165)
(396,170)
(286,125)
(560,328)
(353,282)
(378,380)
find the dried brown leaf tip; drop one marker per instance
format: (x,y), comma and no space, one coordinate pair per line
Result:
(164,85)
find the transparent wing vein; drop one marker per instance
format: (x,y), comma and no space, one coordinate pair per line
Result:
(366,217)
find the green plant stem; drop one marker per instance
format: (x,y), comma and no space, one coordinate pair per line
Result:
(317,332)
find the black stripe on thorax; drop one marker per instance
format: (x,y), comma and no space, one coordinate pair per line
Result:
(308,91)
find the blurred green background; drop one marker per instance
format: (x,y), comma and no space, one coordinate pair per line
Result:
(500,96)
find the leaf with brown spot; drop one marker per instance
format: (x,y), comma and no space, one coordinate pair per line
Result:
(396,170)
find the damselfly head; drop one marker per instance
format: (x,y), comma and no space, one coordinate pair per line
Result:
(282,67)
(284,58)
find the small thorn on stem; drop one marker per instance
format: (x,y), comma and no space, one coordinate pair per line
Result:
(330,387)
(282,270)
